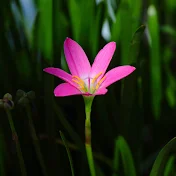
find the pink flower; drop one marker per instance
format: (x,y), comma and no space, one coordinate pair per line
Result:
(84,79)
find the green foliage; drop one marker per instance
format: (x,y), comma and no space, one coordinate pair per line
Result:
(163,160)
(123,151)
(45,29)
(170,166)
(155,61)
(68,153)
(139,109)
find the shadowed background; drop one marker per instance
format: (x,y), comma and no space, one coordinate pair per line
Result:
(130,124)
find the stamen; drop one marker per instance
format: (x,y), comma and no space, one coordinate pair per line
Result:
(80,83)
(96,77)
(83,89)
(78,78)
(99,83)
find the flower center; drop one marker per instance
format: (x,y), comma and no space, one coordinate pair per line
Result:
(90,85)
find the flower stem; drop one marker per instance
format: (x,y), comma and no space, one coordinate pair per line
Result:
(35,141)
(15,138)
(88,103)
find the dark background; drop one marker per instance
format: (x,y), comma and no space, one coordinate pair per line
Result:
(139,109)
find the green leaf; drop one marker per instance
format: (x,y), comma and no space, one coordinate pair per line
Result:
(75,137)
(135,43)
(169,30)
(162,158)
(171,81)
(116,28)
(155,61)
(136,7)
(75,18)
(95,30)
(122,149)
(64,64)
(45,29)
(170,166)
(126,30)
(23,65)
(110,8)
(29,12)
(68,152)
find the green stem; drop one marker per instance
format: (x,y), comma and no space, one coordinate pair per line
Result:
(18,148)
(35,141)
(2,156)
(88,103)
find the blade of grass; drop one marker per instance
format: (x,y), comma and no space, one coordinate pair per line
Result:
(116,28)
(18,147)
(126,30)
(136,7)
(170,166)
(74,147)
(171,82)
(162,158)
(29,13)
(122,149)
(68,152)
(35,141)
(45,29)
(75,18)
(116,159)
(68,127)
(135,43)
(155,61)
(110,9)
(94,30)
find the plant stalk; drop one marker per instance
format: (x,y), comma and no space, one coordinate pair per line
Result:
(88,103)
(15,138)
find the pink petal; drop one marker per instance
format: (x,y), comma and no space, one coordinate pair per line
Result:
(103,59)
(77,60)
(101,91)
(116,74)
(65,89)
(60,74)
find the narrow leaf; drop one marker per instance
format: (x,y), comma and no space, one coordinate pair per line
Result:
(162,158)
(170,166)
(155,60)
(68,152)
(135,44)
(122,149)
(45,29)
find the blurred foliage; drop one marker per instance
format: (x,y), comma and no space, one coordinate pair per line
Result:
(130,124)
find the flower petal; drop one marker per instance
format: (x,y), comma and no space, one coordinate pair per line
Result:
(60,74)
(65,89)
(101,91)
(116,74)
(77,60)
(103,59)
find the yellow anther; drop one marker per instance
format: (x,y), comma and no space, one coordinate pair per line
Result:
(83,89)
(99,83)
(78,78)
(78,82)
(96,77)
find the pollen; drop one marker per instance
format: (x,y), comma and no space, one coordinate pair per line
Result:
(99,83)
(96,77)
(78,78)
(79,82)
